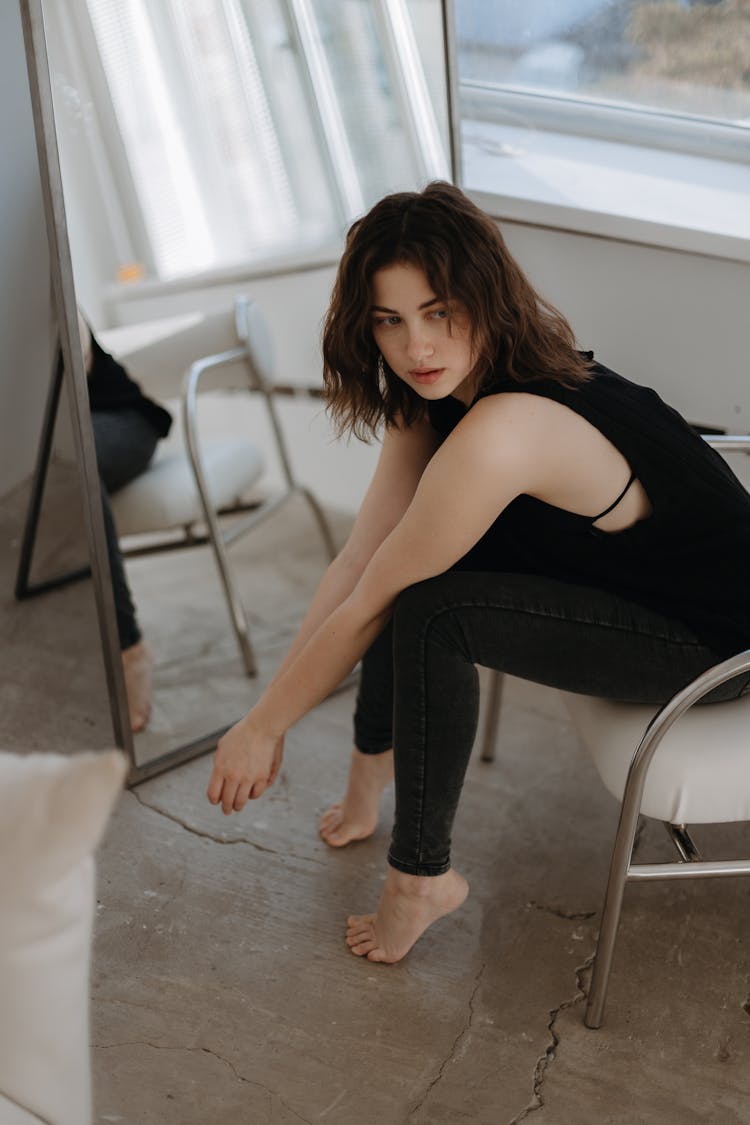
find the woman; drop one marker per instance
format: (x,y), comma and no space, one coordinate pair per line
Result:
(531,511)
(127,427)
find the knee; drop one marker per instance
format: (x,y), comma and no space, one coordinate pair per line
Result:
(431,610)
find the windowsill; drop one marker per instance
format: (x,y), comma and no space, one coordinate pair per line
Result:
(608,189)
(321,257)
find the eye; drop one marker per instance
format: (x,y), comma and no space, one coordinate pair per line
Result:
(439,314)
(388,321)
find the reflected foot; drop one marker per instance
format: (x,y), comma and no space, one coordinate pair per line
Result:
(356,816)
(138,667)
(408,905)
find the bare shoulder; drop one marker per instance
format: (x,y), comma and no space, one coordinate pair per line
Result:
(515,408)
(506,426)
(517,437)
(516,422)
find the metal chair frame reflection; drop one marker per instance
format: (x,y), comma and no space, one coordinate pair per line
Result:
(254,353)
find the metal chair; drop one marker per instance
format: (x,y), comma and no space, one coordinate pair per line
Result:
(700,774)
(183,488)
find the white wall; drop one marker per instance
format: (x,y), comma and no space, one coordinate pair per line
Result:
(673,320)
(24,265)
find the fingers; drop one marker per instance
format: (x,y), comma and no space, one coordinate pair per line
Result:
(241,797)
(228,794)
(278,757)
(215,785)
(233,795)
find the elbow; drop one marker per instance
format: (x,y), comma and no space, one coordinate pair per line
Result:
(365,616)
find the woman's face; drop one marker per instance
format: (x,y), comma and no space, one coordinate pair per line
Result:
(423,341)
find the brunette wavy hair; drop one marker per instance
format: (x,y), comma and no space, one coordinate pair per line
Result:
(514,331)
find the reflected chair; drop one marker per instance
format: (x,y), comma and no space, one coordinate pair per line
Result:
(696,771)
(183,488)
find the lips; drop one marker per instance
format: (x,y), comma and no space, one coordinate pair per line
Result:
(426,374)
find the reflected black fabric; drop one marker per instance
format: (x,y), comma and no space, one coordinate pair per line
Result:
(111,388)
(125,442)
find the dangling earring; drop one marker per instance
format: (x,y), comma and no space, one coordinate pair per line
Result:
(381,368)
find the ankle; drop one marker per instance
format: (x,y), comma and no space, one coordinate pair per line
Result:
(372,764)
(133,653)
(416,886)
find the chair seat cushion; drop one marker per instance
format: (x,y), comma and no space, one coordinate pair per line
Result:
(700,772)
(165,496)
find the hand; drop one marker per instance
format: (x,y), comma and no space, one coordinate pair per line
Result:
(247,761)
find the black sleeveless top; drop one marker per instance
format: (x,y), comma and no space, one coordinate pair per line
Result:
(111,388)
(689,560)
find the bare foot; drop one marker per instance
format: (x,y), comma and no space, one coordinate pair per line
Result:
(138,666)
(408,905)
(356,816)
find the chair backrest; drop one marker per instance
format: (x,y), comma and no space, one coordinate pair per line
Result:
(157,354)
(252,328)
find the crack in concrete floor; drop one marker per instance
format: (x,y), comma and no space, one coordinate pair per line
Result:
(463,1033)
(558,912)
(540,1070)
(206,1051)
(220,839)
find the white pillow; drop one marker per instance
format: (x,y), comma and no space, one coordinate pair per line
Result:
(53,811)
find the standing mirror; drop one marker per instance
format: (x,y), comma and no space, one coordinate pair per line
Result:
(208,149)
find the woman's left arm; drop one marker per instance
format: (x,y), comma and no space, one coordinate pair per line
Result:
(479,469)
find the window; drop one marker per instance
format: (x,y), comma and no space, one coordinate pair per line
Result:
(667,70)
(633,109)
(245,129)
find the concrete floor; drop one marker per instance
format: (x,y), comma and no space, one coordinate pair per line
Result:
(222,990)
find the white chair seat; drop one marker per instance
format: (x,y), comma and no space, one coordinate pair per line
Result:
(165,495)
(700,773)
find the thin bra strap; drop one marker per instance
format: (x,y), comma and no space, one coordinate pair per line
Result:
(615,502)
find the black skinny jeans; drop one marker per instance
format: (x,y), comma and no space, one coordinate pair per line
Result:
(419,687)
(125,442)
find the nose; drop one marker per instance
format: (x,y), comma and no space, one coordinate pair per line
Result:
(419,345)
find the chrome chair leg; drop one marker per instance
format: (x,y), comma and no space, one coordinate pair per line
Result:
(492,718)
(618,876)
(216,537)
(320,519)
(683,842)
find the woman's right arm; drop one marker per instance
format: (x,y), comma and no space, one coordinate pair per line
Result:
(404,455)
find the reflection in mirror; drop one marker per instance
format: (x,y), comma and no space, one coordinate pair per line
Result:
(206,147)
(54,689)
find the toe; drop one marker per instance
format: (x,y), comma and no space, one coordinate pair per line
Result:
(356,919)
(337,838)
(377,954)
(138,720)
(362,948)
(356,933)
